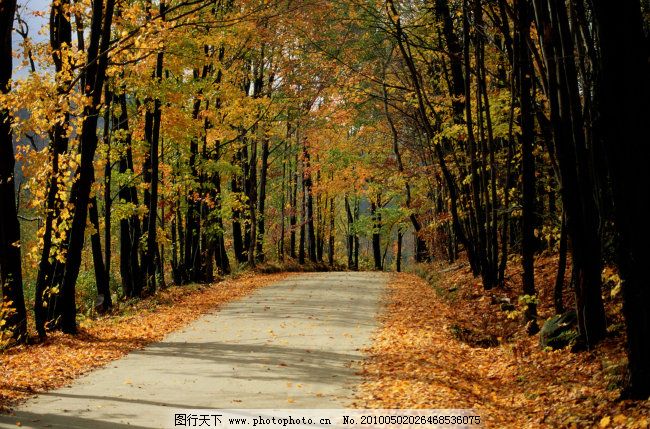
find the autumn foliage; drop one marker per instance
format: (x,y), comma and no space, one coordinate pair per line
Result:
(149,143)
(417,361)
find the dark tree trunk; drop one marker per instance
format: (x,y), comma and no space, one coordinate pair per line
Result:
(220,252)
(309,205)
(11,280)
(351,234)
(284,191)
(262,201)
(558,299)
(130,230)
(152,136)
(252,205)
(237,238)
(478,221)
(301,245)
(624,105)
(376,232)
(357,244)
(95,74)
(294,208)
(191,267)
(103,302)
(176,277)
(575,173)
(398,257)
(108,301)
(50,269)
(330,247)
(246,191)
(320,224)
(524,77)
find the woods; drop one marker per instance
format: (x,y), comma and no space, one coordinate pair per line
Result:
(148,143)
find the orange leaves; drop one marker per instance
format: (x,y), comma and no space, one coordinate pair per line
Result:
(415,362)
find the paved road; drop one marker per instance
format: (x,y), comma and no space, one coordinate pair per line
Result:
(289,345)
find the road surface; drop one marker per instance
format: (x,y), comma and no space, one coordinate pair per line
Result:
(294,344)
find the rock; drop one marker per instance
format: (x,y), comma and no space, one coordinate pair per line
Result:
(559,331)
(505,306)
(504,303)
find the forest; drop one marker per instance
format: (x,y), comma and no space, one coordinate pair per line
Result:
(149,143)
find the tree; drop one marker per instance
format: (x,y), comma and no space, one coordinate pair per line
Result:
(524,77)
(95,74)
(575,171)
(624,107)
(13,302)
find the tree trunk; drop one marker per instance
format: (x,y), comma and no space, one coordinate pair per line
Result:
(108,301)
(103,302)
(284,190)
(152,135)
(421,251)
(11,280)
(294,208)
(330,247)
(558,299)
(237,237)
(575,174)
(191,266)
(301,246)
(351,233)
(262,201)
(130,230)
(624,104)
(252,205)
(376,232)
(309,209)
(50,269)
(398,257)
(95,74)
(527,137)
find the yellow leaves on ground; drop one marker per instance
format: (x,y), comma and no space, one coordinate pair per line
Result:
(415,362)
(27,370)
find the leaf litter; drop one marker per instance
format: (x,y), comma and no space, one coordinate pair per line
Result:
(415,361)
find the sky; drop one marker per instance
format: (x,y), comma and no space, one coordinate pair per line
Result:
(36,24)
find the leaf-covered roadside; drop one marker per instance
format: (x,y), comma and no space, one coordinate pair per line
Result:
(27,370)
(416,362)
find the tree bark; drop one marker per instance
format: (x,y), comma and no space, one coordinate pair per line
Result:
(262,201)
(376,232)
(309,204)
(152,136)
(575,175)
(558,299)
(130,230)
(95,74)
(624,105)
(11,280)
(524,75)
(50,269)
(103,302)
(330,247)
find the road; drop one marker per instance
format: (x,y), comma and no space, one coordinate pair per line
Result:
(294,344)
